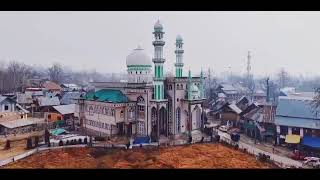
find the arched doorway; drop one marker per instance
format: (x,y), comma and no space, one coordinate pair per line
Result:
(163,121)
(178,120)
(154,124)
(196,118)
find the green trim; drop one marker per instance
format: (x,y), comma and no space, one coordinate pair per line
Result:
(139,66)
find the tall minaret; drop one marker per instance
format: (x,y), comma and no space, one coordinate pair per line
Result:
(189,85)
(158,61)
(179,56)
(201,85)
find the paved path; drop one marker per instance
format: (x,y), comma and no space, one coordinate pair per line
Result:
(280,159)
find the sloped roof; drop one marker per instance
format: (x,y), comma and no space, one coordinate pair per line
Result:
(68,97)
(297,122)
(51,85)
(2,98)
(65,109)
(46,101)
(108,95)
(293,107)
(235,108)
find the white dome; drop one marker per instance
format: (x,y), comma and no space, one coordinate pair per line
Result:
(194,88)
(158,25)
(138,57)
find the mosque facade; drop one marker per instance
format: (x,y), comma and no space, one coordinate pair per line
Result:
(148,103)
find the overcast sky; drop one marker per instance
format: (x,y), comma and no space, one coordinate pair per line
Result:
(102,40)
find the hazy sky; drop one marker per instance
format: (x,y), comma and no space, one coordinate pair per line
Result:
(102,40)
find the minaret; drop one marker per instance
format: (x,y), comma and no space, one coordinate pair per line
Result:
(201,85)
(158,61)
(189,85)
(179,56)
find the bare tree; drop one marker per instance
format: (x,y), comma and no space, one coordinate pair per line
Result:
(17,75)
(283,78)
(55,73)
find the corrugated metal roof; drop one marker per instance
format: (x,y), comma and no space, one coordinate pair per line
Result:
(68,98)
(65,109)
(297,122)
(235,108)
(2,98)
(108,95)
(17,123)
(46,101)
(295,108)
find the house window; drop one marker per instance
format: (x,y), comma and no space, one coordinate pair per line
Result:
(59,117)
(6,107)
(49,116)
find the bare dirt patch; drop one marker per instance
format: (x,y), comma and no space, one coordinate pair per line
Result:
(191,156)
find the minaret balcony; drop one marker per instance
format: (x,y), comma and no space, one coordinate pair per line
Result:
(159,78)
(158,60)
(158,43)
(179,51)
(178,64)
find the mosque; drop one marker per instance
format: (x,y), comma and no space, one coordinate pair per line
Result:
(148,103)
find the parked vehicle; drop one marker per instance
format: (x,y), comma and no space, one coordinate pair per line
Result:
(312,161)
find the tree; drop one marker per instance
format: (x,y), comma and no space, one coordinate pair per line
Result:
(55,73)
(283,78)
(17,75)
(315,103)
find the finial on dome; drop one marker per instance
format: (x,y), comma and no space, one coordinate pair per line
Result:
(139,47)
(158,25)
(179,38)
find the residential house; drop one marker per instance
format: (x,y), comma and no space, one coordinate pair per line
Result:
(259,121)
(7,104)
(70,97)
(45,104)
(51,87)
(63,115)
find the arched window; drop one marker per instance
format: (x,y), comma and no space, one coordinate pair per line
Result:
(121,114)
(170,87)
(140,72)
(178,120)
(141,107)
(177,99)
(136,72)
(177,86)
(181,86)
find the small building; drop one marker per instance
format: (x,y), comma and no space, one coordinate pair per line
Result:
(7,104)
(229,114)
(19,126)
(45,103)
(66,113)
(294,116)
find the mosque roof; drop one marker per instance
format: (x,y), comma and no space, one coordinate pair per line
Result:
(108,95)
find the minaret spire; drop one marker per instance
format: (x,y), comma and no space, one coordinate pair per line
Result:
(179,56)
(158,61)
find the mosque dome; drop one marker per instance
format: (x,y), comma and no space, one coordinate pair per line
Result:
(138,57)
(195,93)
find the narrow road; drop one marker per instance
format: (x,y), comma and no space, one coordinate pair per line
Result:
(256,151)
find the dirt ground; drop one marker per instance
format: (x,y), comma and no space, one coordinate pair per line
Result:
(191,156)
(18,144)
